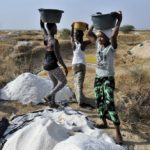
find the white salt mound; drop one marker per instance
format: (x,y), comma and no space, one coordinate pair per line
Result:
(23,43)
(81,141)
(142,50)
(31,88)
(56,130)
(42,134)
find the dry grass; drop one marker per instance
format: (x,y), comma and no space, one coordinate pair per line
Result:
(132,81)
(10,108)
(5,49)
(132,96)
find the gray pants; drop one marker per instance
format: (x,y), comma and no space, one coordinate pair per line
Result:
(59,80)
(79,75)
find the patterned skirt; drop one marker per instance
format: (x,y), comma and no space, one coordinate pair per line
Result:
(104,93)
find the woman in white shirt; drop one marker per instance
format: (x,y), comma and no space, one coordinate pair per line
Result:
(78,63)
(104,85)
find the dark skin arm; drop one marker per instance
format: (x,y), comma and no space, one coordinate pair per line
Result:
(72,36)
(57,53)
(84,43)
(44,31)
(43,27)
(87,42)
(91,35)
(113,39)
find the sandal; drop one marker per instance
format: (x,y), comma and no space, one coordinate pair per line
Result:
(53,104)
(50,102)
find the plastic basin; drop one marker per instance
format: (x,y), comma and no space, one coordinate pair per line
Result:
(80,25)
(103,21)
(50,15)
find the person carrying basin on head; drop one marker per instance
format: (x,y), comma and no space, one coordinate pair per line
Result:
(106,44)
(78,61)
(52,57)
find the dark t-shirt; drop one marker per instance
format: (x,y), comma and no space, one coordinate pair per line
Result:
(50,62)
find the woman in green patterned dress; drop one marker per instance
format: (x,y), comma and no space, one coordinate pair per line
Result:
(106,43)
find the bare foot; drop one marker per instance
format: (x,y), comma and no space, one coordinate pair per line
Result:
(119,139)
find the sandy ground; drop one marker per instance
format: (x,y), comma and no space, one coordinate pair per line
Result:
(132,141)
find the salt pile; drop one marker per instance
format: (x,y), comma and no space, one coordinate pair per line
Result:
(56,130)
(42,134)
(142,50)
(23,43)
(31,88)
(81,141)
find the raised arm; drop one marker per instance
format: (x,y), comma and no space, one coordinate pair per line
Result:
(72,33)
(44,31)
(90,35)
(85,44)
(58,55)
(72,36)
(113,39)
(43,27)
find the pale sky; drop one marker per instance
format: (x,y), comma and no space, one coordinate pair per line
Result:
(23,14)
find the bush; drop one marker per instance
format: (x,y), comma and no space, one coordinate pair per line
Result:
(127,28)
(133,96)
(64,33)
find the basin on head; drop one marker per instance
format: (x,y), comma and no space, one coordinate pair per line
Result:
(103,21)
(50,15)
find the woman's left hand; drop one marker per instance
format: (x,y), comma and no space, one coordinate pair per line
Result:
(117,15)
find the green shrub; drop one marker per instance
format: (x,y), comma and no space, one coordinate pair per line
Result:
(127,28)
(64,33)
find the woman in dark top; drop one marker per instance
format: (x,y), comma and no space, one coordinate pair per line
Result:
(52,57)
